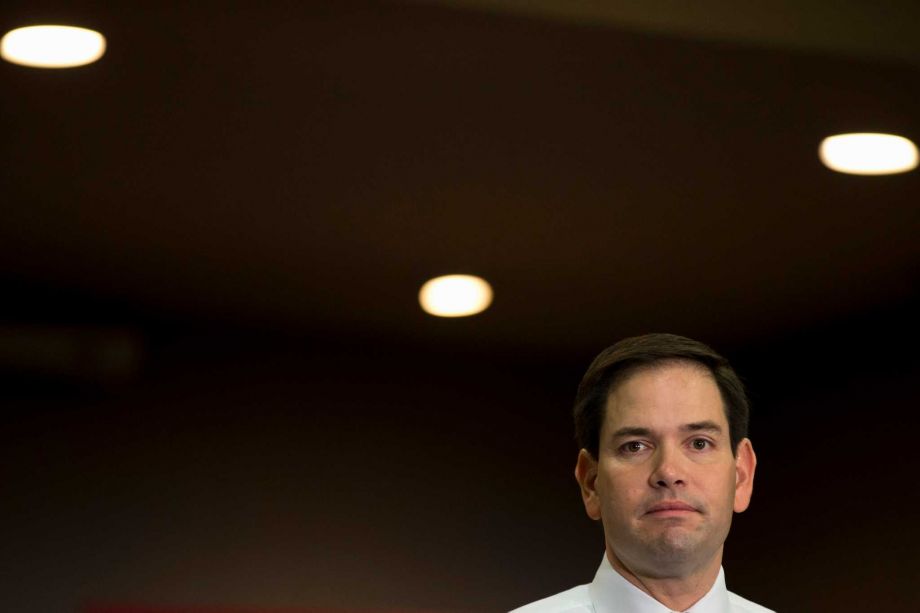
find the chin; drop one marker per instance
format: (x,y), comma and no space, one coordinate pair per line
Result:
(675,548)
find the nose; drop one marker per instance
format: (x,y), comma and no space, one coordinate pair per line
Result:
(667,470)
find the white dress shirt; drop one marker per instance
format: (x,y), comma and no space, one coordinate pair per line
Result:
(611,593)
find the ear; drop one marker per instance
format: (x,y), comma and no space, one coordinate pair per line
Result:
(586,475)
(745,464)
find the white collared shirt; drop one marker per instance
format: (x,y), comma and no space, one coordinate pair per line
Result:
(611,593)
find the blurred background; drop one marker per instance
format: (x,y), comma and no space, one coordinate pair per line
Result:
(218,387)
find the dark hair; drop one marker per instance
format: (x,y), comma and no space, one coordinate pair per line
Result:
(617,362)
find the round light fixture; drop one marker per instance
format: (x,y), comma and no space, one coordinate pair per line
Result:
(52,46)
(868,153)
(455,296)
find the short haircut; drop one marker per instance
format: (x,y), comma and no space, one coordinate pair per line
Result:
(616,363)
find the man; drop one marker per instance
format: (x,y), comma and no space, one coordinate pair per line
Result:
(664,463)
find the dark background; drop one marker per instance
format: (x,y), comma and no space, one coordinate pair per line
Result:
(217,385)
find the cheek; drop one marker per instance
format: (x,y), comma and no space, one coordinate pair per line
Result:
(621,491)
(721,488)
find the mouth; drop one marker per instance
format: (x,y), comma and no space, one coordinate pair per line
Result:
(670,508)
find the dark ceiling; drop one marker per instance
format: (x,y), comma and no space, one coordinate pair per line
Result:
(307,166)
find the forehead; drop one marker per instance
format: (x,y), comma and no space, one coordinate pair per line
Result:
(664,396)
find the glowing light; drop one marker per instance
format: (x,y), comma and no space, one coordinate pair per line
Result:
(868,153)
(455,296)
(52,46)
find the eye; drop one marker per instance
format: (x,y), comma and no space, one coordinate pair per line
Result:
(633,447)
(699,444)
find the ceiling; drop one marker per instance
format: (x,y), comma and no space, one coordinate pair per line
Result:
(853,28)
(307,166)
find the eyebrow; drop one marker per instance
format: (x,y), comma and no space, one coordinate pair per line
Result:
(707,426)
(697,426)
(631,431)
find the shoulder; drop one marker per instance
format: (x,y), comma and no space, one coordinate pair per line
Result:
(576,600)
(743,605)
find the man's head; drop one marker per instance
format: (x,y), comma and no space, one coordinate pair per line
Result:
(662,464)
(618,361)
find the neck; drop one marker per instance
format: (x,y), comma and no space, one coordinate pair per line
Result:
(679,592)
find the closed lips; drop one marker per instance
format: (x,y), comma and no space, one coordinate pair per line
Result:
(670,506)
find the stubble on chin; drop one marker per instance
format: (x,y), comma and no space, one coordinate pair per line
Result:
(667,551)
(674,542)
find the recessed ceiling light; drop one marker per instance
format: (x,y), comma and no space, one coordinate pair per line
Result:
(868,153)
(52,46)
(455,296)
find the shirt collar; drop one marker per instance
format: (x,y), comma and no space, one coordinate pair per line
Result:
(612,593)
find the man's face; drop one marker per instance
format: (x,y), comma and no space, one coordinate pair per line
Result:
(666,482)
